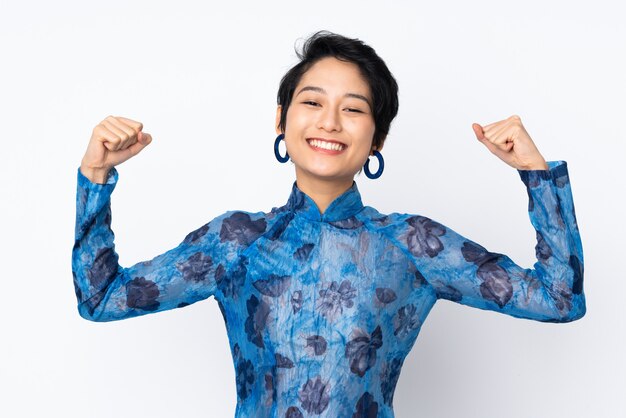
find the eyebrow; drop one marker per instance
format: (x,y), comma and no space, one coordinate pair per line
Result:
(321,90)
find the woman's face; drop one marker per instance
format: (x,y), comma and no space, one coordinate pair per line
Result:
(330,105)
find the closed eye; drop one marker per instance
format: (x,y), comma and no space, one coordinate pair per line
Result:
(309,102)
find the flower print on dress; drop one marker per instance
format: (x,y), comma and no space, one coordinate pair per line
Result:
(194,236)
(561,180)
(382,220)
(445,291)
(283,362)
(296,301)
(107,218)
(562,296)
(245,377)
(142,294)
(104,268)
(385,295)
(314,395)
(542,249)
(419,280)
(196,267)
(94,301)
(533,178)
(496,283)
(236,352)
(293,412)
(231,283)
(316,344)
(361,350)
(560,176)
(270,389)
(366,407)
(389,375)
(241,228)
(531,181)
(578,269)
(348,223)
(273,286)
(258,312)
(421,237)
(302,254)
(406,320)
(335,297)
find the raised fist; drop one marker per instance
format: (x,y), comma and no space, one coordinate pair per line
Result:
(113,141)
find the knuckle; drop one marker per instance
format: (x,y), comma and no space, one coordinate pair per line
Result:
(99,129)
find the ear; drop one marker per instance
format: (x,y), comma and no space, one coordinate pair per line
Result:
(377,149)
(278,112)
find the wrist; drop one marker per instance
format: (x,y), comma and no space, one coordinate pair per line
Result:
(95,175)
(538,165)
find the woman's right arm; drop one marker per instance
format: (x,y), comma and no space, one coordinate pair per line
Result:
(106,291)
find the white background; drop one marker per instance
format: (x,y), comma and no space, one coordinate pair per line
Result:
(202,77)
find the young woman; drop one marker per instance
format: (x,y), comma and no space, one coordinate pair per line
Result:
(324,297)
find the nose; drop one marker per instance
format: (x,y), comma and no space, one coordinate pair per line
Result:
(329,120)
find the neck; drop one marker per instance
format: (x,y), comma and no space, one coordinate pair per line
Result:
(321,191)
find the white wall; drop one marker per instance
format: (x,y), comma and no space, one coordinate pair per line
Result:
(203,78)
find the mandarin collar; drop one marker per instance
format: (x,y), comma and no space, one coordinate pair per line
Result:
(344,206)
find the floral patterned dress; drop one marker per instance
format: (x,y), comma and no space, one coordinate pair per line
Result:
(322,309)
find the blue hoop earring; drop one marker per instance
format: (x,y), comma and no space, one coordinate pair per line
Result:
(276,153)
(381,166)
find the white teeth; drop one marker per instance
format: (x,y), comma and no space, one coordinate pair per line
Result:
(326,145)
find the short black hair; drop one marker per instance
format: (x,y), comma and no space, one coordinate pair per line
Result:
(383,85)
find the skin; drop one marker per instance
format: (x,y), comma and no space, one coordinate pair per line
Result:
(508,140)
(329,114)
(113,141)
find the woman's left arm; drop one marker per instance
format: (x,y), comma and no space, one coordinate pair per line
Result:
(463,271)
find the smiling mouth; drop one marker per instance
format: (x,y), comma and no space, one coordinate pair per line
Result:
(326,145)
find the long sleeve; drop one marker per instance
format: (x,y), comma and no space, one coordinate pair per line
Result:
(463,271)
(107,291)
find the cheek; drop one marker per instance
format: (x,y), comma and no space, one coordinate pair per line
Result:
(296,117)
(365,133)
(365,127)
(361,149)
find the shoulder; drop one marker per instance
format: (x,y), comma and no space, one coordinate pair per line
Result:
(404,229)
(238,228)
(390,221)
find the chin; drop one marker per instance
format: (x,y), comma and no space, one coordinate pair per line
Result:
(329,174)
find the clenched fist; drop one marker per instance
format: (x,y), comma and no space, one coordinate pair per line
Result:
(509,141)
(113,141)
